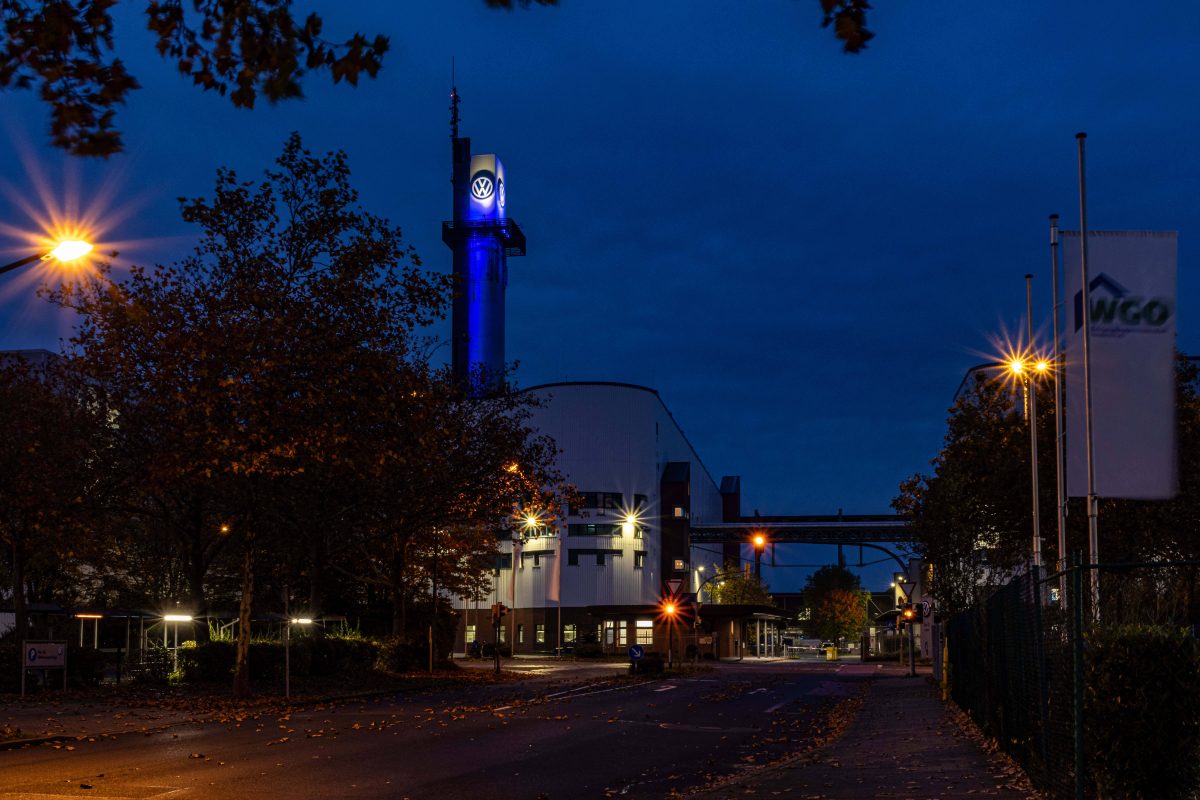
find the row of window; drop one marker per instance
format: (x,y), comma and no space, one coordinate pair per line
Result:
(606,501)
(610,632)
(604,529)
(573,556)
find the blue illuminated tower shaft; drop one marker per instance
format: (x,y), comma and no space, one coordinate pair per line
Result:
(481,237)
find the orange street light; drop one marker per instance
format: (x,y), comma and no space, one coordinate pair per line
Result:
(64,251)
(760,543)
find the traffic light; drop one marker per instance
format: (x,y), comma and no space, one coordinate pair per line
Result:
(909,613)
(498,612)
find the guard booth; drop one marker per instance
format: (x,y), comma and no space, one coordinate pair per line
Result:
(738,631)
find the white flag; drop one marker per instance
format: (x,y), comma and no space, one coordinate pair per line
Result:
(554,592)
(1132,296)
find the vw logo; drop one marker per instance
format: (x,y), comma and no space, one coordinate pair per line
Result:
(500,192)
(482,186)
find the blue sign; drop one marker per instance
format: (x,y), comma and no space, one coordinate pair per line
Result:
(636,652)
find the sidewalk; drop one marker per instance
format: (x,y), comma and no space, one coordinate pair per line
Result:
(904,743)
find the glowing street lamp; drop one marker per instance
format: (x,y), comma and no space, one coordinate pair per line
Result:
(670,611)
(65,251)
(287,652)
(760,544)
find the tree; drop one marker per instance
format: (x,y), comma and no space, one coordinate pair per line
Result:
(836,602)
(736,587)
(243,48)
(972,515)
(256,360)
(52,449)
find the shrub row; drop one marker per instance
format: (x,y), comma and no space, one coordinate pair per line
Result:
(1142,712)
(213,661)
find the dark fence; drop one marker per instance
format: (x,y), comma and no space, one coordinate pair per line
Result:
(1088,683)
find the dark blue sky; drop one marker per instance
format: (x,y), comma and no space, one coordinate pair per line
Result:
(802,250)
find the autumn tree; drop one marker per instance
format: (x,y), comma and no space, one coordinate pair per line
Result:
(52,451)
(836,602)
(738,587)
(252,358)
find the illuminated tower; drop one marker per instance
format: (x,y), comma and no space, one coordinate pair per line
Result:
(482,238)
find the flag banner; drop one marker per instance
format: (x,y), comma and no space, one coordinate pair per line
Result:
(516,564)
(554,591)
(1131,280)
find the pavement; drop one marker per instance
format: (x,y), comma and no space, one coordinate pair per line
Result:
(904,742)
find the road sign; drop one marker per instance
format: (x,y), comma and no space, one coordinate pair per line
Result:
(673,586)
(636,652)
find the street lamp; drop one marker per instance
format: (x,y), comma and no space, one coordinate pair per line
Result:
(68,250)
(760,543)
(669,611)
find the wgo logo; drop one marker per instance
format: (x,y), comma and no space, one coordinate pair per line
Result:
(482,185)
(1121,311)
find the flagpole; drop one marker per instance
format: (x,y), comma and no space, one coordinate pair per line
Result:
(1031,382)
(558,593)
(1093,508)
(1059,436)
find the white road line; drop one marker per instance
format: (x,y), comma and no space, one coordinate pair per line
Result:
(776,707)
(667,688)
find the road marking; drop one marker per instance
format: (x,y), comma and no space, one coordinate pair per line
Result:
(757,691)
(776,707)
(667,688)
(502,708)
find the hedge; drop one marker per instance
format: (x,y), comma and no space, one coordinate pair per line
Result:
(1142,712)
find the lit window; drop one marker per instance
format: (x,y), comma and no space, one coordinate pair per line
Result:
(622,633)
(680,511)
(680,566)
(539,633)
(503,634)
(645,631)
(520,633)
(568,634)
(639,559)
(470,634)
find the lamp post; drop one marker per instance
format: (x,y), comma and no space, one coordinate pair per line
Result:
(669,610)
(65,251)
(1026,371)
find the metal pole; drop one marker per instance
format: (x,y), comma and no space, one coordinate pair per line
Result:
(912,650)
(287,643)
(1059,434)
(1033,448)
(1077,659)
(1093,510)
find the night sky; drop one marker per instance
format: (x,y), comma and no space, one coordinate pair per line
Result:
(802,250)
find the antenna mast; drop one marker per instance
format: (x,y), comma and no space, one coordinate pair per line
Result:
(453,102)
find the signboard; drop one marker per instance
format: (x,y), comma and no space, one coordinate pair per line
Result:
(926,608)
(636,652)
(673,586)
(1131,292)
(486,187)
(704,640)
(45,655)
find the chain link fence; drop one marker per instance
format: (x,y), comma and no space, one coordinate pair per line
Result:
(1063,668)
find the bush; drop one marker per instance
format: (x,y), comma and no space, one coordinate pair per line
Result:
(85,666)
(1142,712)
(210,662)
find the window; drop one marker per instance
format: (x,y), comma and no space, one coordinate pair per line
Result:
(622,633)
(680,566)
(639,503)
(470,635)
(520,633)
(639,559)
(608,632)
(602,529)
(573,555)
(537,556)
(568,634)
(503,634)
(645,631)
(503,561)
(680,512)
(539,633)
(601,501)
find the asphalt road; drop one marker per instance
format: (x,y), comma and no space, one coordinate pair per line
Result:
(605,739)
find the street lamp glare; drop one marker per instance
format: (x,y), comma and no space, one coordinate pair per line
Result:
(759,540)
(1016,366)
(670,609)
(70,250)
(1042,366)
